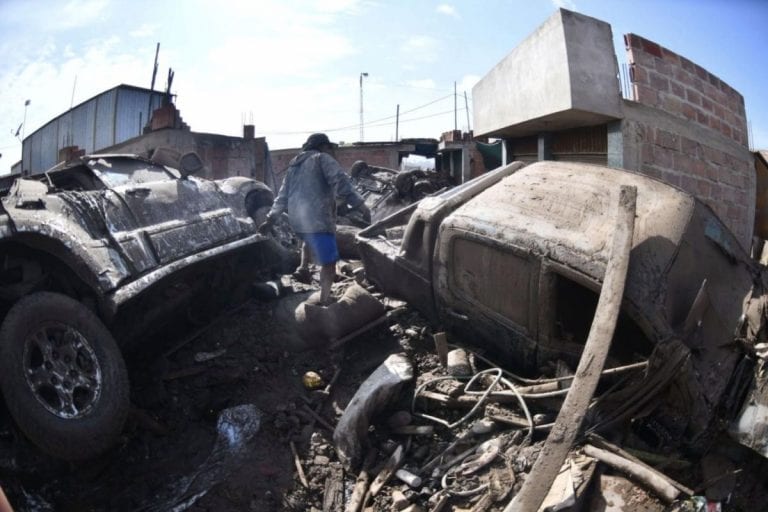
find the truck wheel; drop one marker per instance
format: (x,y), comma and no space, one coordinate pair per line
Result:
(63,376)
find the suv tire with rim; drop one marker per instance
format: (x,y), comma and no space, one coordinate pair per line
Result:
(63,376)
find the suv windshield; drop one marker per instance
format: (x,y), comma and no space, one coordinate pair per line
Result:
(121,171)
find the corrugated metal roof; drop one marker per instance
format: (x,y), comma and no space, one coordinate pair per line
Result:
(104,120)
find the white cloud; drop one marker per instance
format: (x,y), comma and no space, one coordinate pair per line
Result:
(448,10)
(55,16)
(426,83)
(420,49)
(145,30)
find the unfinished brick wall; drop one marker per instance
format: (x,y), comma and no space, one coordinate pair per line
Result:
(663,79)
(708,155)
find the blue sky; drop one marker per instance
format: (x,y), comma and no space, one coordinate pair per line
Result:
(293,67)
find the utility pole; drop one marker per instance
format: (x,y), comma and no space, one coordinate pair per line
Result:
(361,105)
(466,106)
(24,124)
(455,111)
(397,124)
(152,86)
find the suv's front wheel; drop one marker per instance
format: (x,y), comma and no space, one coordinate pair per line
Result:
(63,376)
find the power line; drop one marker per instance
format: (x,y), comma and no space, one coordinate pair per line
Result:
(369,123)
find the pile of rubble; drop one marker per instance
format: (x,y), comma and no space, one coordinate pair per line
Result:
(442,427)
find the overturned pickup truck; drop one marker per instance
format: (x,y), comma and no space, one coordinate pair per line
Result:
(515,260)
(93,252)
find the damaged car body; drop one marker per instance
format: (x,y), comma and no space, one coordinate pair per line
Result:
(515,260)
(93,252)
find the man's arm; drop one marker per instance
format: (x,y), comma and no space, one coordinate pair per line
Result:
(279,205)
(339,181)
(281,201)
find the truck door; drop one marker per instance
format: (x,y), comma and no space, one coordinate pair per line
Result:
(489,290)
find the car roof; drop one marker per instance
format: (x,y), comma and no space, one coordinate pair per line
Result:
(567,210)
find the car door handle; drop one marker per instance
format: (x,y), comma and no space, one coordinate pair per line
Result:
(457,315)
(137,191)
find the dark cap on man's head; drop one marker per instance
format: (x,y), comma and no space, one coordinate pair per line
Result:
(317,141)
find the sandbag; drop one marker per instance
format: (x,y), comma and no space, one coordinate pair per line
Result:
(319,325)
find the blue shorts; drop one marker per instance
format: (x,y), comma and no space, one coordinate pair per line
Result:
(323,247)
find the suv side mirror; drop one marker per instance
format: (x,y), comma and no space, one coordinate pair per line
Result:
(187,164)
(190,163)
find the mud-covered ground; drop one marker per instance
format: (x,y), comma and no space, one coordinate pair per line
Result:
(217,406)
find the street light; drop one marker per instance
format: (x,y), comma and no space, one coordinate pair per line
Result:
(361,104)
(24,123)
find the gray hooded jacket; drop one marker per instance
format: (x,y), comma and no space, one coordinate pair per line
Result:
(308,194)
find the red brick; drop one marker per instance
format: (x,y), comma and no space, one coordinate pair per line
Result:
(667,139)
(670,57)
(671,177)
(713,155)
(718,110)
(682,76)
(662,157)
(689,147)
(684,163)
(677,89)
(646,95)
(638,74)
(632,41)
(700,169)
(651,47)
(663,67)
(659,82)
(646,154)
(688,183)
(689,111)
(725,129)
(702,118)
(713,80)
(701,72)
(707,104)
(735,213)
(693,96)
(714,123)
(651,171)
(687,65)
(672,104)
(703,188)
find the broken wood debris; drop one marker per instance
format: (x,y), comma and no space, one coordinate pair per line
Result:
(660,485)
(359,492)
(299,468)
(389,469)
(592,360)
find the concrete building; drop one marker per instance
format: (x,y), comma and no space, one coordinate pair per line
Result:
(381,154)
(223,155)
(115,122)
(557,96)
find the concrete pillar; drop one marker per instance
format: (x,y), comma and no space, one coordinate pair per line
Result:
(466,171)
(545,146)
(615,145)
(506,154)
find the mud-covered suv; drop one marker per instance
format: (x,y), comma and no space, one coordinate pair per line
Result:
(515,259)
(93,252)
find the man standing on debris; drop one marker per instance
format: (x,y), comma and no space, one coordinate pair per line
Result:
(308,194)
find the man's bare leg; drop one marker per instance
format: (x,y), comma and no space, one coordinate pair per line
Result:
(327,276)
(306,256)
(303,274)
